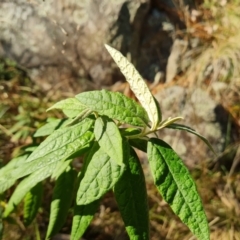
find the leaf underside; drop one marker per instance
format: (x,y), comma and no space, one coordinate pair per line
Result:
(138,86)
(177,187)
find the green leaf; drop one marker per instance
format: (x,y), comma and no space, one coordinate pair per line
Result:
(30,148)
(100,176)
(138,86)
(84,114)
(190,130)
(131,195)
(114,105)
(58,141)
(177,187)
(1,222)
(129,131)
(50,127)
(60,168)
(15,163)
(81,151)
(61,201)
(19,125)
(7,184)
(83,215)
(159,112)
(26,185)
(62,144)
(139,143)
(32,202)
(109,138)
(3,109)
(70,106)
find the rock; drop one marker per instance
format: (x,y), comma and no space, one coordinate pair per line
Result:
(200,112)
(203,105)
(62,44)
(174,60)
(65,40)
(155,45)
(172,100)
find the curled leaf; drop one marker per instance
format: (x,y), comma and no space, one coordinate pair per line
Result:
(190,130)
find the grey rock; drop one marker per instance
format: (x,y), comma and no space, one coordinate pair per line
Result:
(62,43)
(203,105)
(199,111)
(172,100)
(174,60)
(67,37)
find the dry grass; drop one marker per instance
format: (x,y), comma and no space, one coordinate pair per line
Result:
(216,26)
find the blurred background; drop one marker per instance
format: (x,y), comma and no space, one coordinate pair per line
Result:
(188,51)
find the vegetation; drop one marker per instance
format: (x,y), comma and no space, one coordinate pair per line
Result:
(96,128)
(219,36)
(218,187)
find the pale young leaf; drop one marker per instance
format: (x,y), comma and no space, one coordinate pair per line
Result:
(138,86)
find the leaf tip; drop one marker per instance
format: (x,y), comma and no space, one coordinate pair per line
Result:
(54,106)
(49,109)
(107,46)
